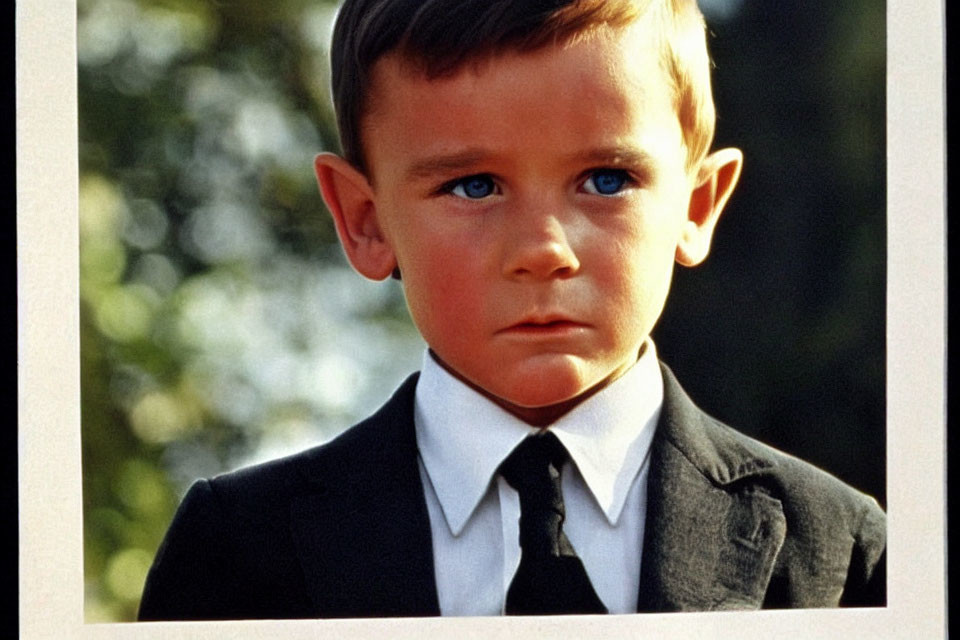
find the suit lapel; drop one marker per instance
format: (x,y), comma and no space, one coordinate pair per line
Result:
(712,532)
(364,525)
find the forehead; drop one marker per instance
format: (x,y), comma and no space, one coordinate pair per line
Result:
(595,89)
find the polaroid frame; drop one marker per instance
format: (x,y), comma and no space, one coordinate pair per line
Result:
(50,507)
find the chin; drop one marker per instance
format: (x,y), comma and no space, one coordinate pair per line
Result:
(545,389)
(539,399)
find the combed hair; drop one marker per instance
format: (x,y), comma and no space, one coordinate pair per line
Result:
(439,37)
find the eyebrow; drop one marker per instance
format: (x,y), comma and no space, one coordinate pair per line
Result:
(617,156)
(445,163)
(462,160)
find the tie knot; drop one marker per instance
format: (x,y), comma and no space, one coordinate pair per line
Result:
(536,462)
(533,469)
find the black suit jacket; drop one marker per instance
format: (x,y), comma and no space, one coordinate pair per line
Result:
(342,530)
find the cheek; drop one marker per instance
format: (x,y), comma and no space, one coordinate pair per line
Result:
(442,292)
(636,271)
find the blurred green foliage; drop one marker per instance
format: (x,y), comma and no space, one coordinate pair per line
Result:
(221,326)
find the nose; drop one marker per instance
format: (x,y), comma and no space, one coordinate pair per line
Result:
(538,246)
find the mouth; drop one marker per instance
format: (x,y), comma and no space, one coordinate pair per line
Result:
(549,326)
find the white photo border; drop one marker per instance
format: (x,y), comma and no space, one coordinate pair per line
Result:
(51,581)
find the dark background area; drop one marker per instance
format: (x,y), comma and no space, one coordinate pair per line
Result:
(781,331)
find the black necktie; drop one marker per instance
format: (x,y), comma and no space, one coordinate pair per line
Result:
(551,578)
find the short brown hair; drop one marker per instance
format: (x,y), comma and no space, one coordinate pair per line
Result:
(440,36)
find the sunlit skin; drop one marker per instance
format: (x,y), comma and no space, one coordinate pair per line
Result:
(535,204)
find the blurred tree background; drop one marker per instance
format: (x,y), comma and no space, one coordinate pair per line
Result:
(221,326)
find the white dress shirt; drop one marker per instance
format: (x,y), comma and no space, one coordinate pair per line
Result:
(474,514)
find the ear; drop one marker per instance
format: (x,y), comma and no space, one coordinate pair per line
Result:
(349,197)
(716,179)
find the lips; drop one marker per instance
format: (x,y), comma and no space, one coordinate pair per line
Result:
(547,325)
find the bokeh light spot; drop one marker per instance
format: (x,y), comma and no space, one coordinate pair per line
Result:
(102,261)
(127,571)
(125,313)
(146,226)
(140,486)
(102,208)
(159,417)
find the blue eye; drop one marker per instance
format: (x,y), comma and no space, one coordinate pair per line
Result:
(606,182)
(472,187)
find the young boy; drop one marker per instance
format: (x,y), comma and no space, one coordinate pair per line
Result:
(530,171)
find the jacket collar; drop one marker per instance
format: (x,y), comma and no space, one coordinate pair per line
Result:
(712,532)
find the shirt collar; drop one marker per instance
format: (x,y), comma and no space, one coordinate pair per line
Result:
(463,436)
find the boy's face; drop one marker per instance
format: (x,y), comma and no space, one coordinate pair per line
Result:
(535,205)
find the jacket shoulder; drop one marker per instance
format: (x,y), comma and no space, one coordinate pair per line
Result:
(798,479)
(230,552)
(350,453)
(835,535)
